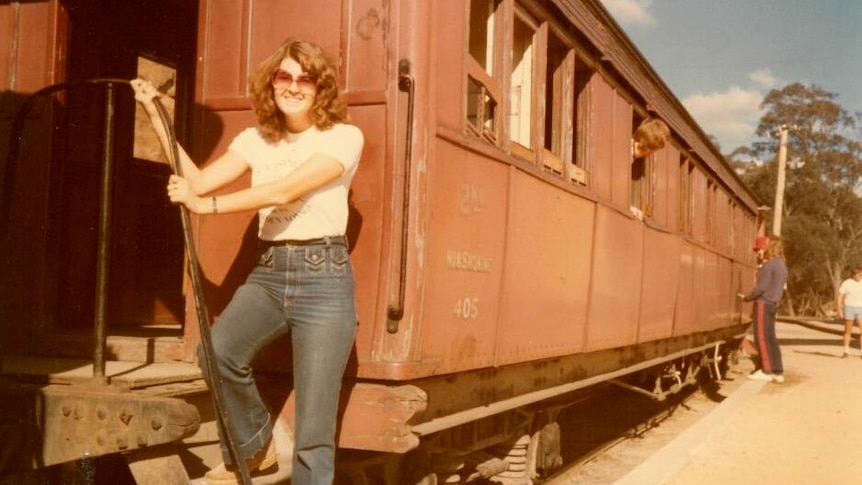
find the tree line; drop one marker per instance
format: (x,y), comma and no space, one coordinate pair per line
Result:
(822,209)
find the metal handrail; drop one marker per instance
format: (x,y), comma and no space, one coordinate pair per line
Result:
(100,323)
(15,138)
(395,312)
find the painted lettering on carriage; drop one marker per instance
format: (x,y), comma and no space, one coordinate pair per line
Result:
(467,308)
(471,199)
(466,261)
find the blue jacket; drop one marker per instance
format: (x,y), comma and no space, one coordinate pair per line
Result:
(770,282)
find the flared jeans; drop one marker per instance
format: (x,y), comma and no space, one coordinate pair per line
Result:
(307,291)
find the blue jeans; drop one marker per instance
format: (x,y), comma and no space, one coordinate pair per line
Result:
(309,292)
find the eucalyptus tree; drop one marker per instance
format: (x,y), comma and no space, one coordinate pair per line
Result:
(822,211)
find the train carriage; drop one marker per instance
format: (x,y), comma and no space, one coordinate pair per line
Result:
(509,250)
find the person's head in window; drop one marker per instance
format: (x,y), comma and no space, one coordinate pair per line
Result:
(652,135)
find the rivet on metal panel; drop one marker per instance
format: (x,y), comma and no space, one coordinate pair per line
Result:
(125,417)
(156,423)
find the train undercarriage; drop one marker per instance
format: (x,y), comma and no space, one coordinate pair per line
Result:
(500,428)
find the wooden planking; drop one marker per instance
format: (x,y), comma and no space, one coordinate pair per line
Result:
(70,371)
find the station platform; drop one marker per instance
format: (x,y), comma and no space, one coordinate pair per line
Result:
(805,431)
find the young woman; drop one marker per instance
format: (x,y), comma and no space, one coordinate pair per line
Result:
(849,305)
(302,157)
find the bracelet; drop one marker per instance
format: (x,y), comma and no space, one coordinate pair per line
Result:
(215,206)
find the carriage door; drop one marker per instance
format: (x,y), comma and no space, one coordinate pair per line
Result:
(151,38)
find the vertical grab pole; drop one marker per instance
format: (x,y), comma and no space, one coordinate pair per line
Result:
(216,384)
(101,310)
(395,312)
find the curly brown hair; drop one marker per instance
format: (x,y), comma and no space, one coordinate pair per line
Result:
(653,134)
(328,107)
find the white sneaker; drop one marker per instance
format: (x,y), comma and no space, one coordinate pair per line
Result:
(759,375)
(778,378)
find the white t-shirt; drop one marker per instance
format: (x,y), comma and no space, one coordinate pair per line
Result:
(852,291)
(320,213)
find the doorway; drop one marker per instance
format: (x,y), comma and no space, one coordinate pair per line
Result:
(119,40)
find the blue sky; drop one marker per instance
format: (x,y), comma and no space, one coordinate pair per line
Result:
(721,57)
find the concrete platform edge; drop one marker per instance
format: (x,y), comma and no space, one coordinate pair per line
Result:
(665,462)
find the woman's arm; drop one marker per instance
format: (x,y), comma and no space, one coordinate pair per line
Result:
(221,172)
(309,176)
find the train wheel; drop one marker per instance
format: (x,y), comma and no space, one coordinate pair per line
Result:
(544,452)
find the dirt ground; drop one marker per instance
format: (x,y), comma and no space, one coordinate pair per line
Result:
(806,431)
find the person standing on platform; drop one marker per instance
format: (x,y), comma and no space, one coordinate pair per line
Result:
(302,156)
(849,306)
(766,296)
(748,348)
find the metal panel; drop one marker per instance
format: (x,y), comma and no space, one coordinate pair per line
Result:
(701,288)
(8,36)
(660,285)
(223,63)
(543,305)
(273,21)
(467,203)
(366,227)
(684,313)
(616,280)
(663,190)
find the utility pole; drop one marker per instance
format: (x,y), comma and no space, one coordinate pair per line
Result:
(779,186)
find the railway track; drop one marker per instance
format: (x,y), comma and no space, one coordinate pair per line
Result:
(610,434)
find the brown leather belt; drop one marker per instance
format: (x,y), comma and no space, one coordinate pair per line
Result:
(339,240)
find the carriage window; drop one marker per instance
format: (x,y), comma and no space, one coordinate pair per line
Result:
(581,116)
(482,29)
(521,83)
(483,91)
(481,110)
(544,111)
(711,211)
(685,195)
(731,224)
(164,78)
(558,109)
(641,170)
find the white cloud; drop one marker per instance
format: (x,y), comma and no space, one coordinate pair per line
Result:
(731,116)
(631,12)
(765,78)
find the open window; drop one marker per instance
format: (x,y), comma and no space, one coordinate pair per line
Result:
(641,177)
(521,89)
(163,75)
(582,117)
(546,96)
(686,200)
(483,90)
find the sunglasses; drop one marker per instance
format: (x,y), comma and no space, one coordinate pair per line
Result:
(283,80)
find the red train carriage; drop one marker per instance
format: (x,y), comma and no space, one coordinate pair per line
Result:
(509,251)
